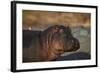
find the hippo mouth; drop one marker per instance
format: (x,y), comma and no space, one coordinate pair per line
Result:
(53,54)
(57,52)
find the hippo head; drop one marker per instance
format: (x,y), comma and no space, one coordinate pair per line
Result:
(58,39)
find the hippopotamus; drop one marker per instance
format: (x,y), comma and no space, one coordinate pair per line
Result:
(49,44)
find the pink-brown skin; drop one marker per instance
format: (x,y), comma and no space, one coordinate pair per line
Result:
(56,40)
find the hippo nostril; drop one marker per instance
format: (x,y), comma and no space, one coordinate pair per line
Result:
(75,44)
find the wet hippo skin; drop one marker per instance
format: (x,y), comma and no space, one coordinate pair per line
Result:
(49,44)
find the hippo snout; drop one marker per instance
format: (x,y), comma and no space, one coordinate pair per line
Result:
(71,44)
(75,44)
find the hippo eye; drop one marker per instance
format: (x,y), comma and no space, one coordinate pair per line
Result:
(55,30)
